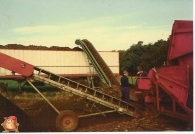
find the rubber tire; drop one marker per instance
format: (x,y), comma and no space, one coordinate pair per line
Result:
(66,117)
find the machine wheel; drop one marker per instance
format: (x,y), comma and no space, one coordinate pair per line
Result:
(67,121)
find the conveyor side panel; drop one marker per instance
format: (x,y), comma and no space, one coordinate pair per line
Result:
(99,64)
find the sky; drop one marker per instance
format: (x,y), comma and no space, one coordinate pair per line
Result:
(107,24)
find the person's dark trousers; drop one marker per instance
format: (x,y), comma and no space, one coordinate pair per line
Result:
(125,94)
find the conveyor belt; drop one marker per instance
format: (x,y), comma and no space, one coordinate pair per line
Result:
(99,64)
(86,92)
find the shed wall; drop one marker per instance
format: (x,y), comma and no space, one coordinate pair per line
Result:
(61,62)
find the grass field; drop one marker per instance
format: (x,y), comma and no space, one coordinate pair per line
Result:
(29,93)
(132,80)
(13,86)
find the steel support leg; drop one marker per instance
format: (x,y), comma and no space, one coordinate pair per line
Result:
(52,106)
(19,86)
(157,97)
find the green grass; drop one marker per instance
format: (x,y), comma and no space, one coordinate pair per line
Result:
(13,86)
(29,93)
(132,80)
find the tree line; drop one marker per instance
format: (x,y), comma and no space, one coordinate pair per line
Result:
(145,55)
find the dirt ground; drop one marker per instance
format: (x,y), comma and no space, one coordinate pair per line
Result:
(44,120)
(122,123)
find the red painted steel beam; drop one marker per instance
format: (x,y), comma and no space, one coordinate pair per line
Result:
(184,117)
(182,105)
(16,65)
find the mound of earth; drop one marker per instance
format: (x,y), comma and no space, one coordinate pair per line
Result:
(35,47)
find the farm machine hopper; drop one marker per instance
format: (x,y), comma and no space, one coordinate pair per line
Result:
(168,89)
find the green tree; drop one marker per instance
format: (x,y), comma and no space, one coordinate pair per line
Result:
(147,56)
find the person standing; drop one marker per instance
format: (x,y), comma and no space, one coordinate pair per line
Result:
(141,73)
(125,87)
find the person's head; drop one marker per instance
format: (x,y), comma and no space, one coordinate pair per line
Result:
(125,72)
(139,68)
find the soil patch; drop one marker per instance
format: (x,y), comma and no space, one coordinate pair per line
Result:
(41,117)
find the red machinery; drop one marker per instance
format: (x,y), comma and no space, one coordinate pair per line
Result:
(172,93)
(15,65)
(169,89)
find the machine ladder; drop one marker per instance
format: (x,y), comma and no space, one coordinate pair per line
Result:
(85,92)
